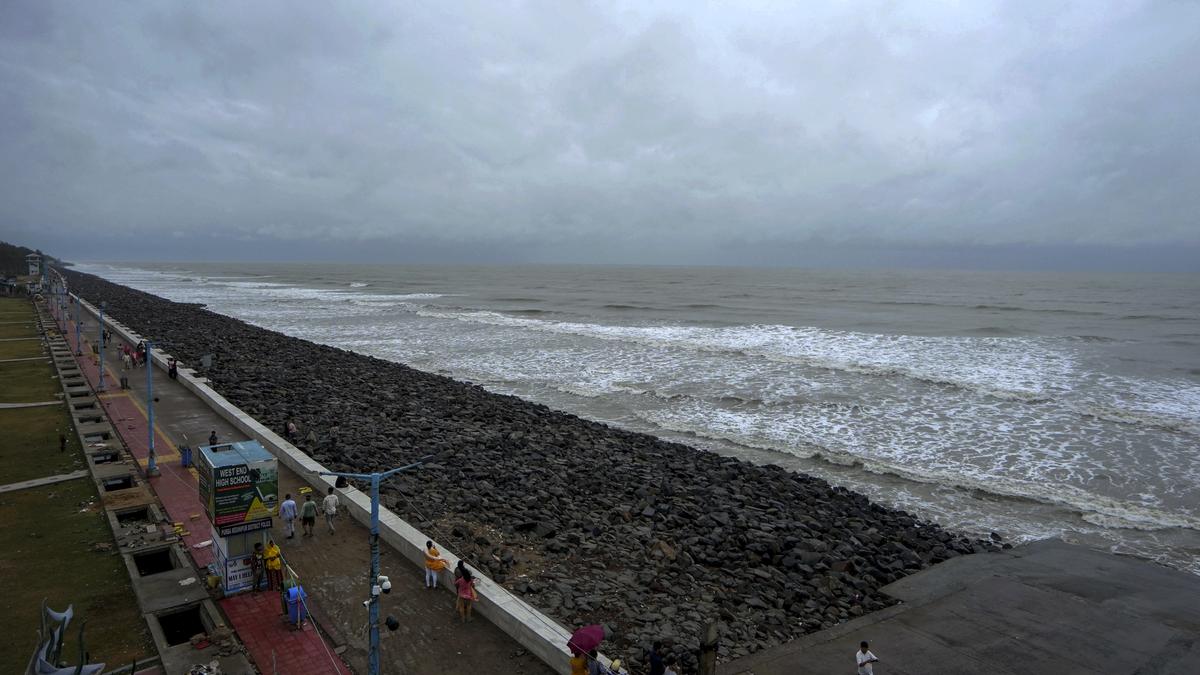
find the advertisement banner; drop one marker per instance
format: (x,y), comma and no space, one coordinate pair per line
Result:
(239,576)
(235,494)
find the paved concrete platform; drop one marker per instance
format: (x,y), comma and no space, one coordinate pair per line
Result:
(1045,608)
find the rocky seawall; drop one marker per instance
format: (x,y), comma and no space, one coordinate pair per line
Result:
(588,522)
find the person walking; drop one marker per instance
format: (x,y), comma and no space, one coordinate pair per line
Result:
(291,431)
(212,437)
(865,658)
(287,511)
(670,666)
(466,594)
(308,515)
(273,560)
(434,564)
(330,506)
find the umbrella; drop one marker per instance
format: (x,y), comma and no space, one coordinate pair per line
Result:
(586,639)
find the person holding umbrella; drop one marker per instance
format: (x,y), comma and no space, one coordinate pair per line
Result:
(584,642)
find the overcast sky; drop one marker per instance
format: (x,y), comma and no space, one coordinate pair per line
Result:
(641,132)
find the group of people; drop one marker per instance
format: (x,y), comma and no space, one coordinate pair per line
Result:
(589,663)
(268,561)
(464,581)
(133,357)
(288,512)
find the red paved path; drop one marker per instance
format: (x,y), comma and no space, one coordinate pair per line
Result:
(257,618)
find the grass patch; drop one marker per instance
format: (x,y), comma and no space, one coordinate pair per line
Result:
(46,552)
(15,309)
(20,349)
(8,330)
(28,382)
(30,447)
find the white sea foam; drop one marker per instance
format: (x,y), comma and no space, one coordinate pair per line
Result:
(848,444)
(1027,369)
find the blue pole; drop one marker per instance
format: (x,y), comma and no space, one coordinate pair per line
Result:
(100,328)
(78,339)
(373,604)
(151,463)
(373,665)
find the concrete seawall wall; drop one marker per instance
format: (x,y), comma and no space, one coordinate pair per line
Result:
(535,631)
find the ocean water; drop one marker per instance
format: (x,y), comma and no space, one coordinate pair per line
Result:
(1033,405)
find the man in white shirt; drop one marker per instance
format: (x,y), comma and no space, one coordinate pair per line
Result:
(865,658)
(330,505)
(287,511)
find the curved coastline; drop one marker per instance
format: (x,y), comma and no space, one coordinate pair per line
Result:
(588,522)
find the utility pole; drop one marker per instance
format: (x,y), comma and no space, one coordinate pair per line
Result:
(377,583)
(100,329)
(78,329)
(151,463)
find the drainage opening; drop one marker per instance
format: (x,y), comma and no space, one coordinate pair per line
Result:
(122,483)
(134,515)
(179,627)
(84,406)
(96,438)
(105,456)
(154,562)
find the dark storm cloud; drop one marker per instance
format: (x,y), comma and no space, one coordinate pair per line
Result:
(602,131)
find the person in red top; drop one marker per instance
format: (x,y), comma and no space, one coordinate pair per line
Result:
(466,594)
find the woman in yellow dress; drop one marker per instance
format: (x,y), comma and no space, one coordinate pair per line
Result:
(434,564)
(273,559)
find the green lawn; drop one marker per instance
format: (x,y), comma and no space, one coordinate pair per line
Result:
(30,447)
(17,330)
(28,382)
(47,534)
(15,309)
(46,552)
(20,349)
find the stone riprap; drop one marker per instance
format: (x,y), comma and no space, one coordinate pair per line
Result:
(588,522)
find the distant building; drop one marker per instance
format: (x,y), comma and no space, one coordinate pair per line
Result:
(35,264)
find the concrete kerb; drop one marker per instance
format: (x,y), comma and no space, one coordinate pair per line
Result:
(534,631)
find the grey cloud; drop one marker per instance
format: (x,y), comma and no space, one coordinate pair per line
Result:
(623,130)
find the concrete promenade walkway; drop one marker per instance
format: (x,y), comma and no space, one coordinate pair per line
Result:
(1048,608)
(272,645)
(331,567)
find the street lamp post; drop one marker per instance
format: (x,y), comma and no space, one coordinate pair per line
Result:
(100,328)
(373,601)
(151,462)
(78,329)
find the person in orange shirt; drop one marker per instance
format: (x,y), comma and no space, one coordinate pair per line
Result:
(579,665)
(434,564)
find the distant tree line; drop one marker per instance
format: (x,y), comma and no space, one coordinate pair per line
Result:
(12,259)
